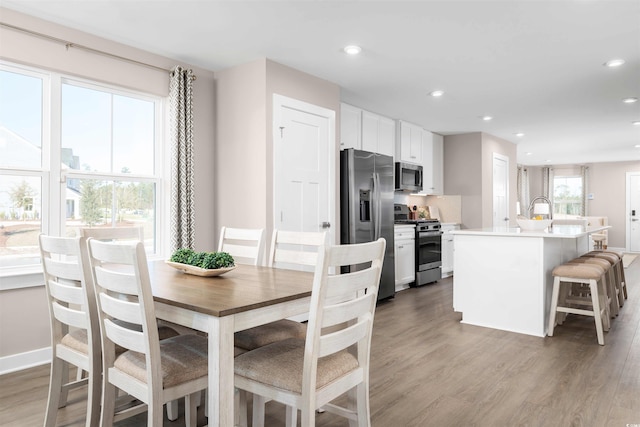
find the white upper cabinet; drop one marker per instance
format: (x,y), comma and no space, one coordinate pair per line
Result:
(367,131)
(350,127)
(437,170)
(432,172)
(409,145)
(378,134)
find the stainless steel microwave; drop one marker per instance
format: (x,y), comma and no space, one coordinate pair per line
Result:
(408,177)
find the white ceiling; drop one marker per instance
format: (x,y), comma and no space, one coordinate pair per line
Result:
(535,66)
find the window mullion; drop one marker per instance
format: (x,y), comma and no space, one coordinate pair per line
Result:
(57,178)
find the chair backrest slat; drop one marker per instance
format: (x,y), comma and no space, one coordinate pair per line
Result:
(70,293)
(295,250)
(245,245)
(342,339)
(69,316)
(135,233)
(127,338)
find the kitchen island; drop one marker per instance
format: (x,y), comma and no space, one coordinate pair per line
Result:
(503,275)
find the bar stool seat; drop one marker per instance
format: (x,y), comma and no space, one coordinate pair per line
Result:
(596,306)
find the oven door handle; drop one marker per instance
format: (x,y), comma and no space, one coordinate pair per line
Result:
(429,233)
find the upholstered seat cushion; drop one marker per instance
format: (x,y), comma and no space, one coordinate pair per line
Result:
(183,358)
(579,271)
(593,261)
(77,340)
(253,338)
(610,257)
(280,364)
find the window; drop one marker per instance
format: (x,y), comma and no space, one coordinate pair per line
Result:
(75,153)
(567,196)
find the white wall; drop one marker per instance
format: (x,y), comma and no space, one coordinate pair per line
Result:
(244,154)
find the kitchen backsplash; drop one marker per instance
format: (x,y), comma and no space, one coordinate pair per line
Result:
(449,207)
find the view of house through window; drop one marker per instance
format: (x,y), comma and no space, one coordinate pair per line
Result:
(74,154)
(567,196)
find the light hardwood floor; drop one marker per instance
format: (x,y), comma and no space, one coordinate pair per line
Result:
(430,370)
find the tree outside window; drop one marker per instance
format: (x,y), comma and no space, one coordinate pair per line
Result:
(567,196)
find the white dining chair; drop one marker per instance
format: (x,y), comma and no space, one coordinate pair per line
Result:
(245,245)
(153,371)
(290,250)
(334,358)
(75,333)
(134,234)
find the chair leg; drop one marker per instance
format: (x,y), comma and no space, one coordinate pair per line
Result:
(109,394)
(55,389)
(94,388)
(597,313)
(191,409)
(241,408)
(291,416)
(554,306)
(172,410)
(362,404)
(258,410)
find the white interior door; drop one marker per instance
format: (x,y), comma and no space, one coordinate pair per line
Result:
(633,211)
(304,166)
(500,190)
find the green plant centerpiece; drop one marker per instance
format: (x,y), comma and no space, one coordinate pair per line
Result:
(206,260)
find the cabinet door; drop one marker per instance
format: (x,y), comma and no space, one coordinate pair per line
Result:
(427,166)
(410,143)
(437,164)
(405,261)
(370,131)
(386,136)
(378,134)
(350,127)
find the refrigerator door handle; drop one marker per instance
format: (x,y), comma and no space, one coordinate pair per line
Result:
(377,207)
(372,206)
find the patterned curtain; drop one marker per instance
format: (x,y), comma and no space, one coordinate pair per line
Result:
(523,189)
(181,137)
(584,171)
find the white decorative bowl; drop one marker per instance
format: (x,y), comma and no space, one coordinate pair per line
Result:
(534,224)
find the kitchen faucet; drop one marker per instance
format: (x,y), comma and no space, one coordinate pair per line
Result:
(546,199)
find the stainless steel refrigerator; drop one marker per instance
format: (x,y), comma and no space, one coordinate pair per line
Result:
(366,206)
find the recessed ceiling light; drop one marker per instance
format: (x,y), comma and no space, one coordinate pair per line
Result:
(637,146)
(630,100)
(529,153)
(547,161)
(519,134)
(352,49)
(437,93)
(636,123)
(487,118)
(614,63)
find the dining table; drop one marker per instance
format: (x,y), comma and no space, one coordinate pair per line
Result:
(242,298)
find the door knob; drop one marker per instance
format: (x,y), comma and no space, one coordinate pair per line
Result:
(325,224)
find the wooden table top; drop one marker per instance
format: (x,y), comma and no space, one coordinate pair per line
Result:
(245,288)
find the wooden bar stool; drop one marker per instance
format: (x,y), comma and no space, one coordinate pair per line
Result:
(621,281)
(610,286)
(592,275)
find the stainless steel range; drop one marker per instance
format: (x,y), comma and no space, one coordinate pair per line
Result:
(428,245)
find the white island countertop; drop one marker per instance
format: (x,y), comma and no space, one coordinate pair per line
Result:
(556,231)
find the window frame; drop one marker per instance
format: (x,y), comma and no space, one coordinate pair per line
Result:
(53,176)
(555,200)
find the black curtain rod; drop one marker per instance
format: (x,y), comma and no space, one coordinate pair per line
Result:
(69,44)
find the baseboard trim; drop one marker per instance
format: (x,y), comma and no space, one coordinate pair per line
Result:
(29,359)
